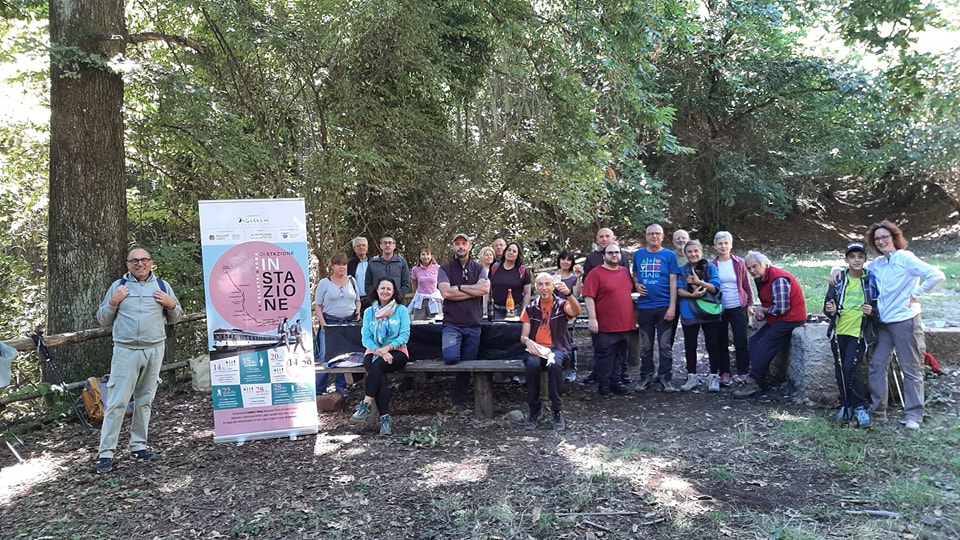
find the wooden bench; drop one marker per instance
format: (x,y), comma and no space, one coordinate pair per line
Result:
(482,371)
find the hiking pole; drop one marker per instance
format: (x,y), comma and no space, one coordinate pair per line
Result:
(843,381)
(896,378)
(45,355)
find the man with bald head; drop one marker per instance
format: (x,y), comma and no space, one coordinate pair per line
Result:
(139,306)
(595,259)
(499,246)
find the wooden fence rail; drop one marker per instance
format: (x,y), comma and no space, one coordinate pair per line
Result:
(27,345)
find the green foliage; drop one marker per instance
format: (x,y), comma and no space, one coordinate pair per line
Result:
(882,24)
(425,437)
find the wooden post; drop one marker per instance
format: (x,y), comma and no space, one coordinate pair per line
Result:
(483,395)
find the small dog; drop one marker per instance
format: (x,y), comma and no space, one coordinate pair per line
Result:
(700,269)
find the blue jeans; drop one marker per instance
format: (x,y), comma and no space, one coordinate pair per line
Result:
(651,321)
(459,343)
(320,351)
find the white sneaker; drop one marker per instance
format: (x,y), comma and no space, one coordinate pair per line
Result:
(713,383)
(692,381)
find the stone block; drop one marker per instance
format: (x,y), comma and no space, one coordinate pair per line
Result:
(811,369)
(333,402)
(944,344)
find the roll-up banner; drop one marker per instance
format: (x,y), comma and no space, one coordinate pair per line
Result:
(259,321)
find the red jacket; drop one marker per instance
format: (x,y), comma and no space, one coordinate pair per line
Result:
(797,312)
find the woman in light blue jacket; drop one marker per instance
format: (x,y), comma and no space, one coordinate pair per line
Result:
(385,332)
(902,278)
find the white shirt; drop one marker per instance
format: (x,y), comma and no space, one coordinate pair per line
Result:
(899,282)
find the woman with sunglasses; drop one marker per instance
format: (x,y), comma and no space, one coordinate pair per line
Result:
(509,277)
(336,300)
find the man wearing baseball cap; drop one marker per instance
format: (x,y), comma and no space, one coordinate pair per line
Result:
(851,308)
(463,282)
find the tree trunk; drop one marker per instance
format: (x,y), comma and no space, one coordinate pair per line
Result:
(88,210)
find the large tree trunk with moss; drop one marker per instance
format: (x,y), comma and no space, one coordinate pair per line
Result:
(88,213)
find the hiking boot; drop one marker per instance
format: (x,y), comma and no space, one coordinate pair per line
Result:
(844,415)
(386,425)
(863,418)
(558,423)
(692,382)
(591,378)
(646,381)
(667,386)
(725,380)
(363,411)
(740,379)
(532,421)
(747,389)
(571,376)
(105,465)
(912,425)
(713,383)
(625,377)
(619,389)
(142,455)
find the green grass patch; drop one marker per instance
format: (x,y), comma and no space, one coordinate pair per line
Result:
(816,438)
(906,494)
(723,475)
(628,452)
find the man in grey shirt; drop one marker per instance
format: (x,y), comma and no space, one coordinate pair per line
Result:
(139,305)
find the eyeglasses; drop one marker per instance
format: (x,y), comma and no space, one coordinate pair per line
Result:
(143,260)
(611,252)
(341,292)
(879,237)
(464,276)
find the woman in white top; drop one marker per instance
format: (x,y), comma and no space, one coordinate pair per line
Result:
(902,278)
(737,298)
(486,258)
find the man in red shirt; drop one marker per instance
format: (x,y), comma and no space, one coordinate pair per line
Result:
(546,319)
(606,291)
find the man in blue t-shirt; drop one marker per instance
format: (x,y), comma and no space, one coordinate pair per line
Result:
(655,270)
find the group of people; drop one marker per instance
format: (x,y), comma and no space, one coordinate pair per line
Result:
(646,295)
(870,303)
(464,290)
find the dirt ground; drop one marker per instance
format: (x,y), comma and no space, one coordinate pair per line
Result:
(652,464)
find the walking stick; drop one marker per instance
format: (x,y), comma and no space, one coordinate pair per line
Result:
(53,368)
(896,377)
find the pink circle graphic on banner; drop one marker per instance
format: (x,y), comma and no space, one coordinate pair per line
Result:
(257,285)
